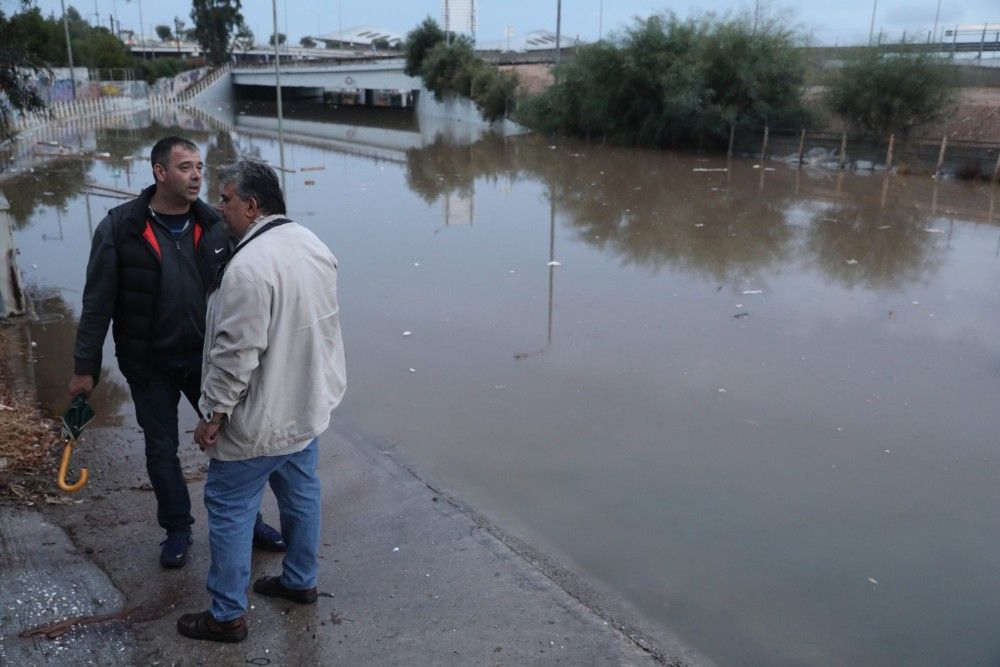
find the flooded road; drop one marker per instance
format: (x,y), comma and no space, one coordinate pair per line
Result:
(759,405)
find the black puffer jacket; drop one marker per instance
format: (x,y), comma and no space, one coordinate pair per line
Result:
(152,286)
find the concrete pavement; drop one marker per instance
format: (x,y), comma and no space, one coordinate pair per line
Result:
(407,577)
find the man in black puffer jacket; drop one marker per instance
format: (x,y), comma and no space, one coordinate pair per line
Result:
(151,264)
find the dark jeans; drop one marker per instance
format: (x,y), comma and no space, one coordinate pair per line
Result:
(156,412)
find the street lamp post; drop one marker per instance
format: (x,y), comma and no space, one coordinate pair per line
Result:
(277,82)
(69,48)
(937,15)
(558,31)
(871,29)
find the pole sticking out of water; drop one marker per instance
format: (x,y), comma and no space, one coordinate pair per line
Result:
(996,169)
(888,155)
(763,148)
(802,146)
(277,87)
(732,137)
(940,162)
(843,150)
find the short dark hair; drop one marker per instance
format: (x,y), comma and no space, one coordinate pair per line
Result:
(254,179)
(160,155)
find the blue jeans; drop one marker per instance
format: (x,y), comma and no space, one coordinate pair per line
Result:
(156,411)
(232,496)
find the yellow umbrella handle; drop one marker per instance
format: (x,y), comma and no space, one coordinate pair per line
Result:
(76,486)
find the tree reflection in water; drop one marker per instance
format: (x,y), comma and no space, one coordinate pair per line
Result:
(653,210)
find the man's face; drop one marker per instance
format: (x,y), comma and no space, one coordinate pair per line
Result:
(238,213)
(181,179)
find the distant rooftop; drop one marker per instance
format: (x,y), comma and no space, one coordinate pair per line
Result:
(536,40)
(365,35)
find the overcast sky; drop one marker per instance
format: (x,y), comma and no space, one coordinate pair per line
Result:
(841,21)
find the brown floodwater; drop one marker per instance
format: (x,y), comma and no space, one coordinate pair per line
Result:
(759,405)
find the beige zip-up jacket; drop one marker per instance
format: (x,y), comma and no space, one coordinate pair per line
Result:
(273,359)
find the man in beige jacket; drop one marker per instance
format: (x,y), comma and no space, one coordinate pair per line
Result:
(273,370)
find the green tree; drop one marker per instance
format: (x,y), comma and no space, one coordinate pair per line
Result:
(281,39)
(164,33)
(215,23)
(880,93)
(445,66)
(668,82)
(419,43)
(307,43)
(381,44)
(244,39)
(17,69)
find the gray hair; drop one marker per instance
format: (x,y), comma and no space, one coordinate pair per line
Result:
(255,180)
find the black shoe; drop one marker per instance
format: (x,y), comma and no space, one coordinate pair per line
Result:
(273,588)
(203,626)
(266,538)
(175,550)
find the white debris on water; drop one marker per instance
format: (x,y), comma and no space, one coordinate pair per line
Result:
(932,230)
(395,549)
(852,261)
(753,291)
(554,264)
(873,580)
(407,333)
(413,370)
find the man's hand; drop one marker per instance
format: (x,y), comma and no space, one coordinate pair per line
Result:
(81,384)
(206,433)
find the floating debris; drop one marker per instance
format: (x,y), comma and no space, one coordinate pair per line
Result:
(554,264)
(873,580)
(742,315)
(852,261)
(932,230)
(753,291)
(710,169)
(407,333)
(319,168)
(310,182)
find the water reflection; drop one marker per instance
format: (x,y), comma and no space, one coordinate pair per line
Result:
(654,211)
(737,479)
(53,333)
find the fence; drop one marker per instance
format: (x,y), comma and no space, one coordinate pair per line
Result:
(117,96)
(940,156)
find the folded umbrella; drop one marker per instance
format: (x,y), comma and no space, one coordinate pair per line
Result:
(74,421)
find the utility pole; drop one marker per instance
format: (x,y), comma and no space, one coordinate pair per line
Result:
(69,48)
(277,81)
(558,32)
(871,29)
(937,15)
(600,22)
(178,26)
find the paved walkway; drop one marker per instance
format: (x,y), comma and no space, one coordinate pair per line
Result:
(409,578)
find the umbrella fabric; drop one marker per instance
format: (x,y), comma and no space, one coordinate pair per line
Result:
(76,418)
